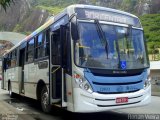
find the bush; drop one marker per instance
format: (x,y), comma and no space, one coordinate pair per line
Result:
(151,25)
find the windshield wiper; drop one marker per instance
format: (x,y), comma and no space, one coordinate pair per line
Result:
(118,51)
(102,36)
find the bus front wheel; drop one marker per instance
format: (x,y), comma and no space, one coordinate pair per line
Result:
(46,107)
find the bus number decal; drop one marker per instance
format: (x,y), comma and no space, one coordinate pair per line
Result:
(106,89)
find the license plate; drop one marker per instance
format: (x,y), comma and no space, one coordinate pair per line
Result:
(122,100)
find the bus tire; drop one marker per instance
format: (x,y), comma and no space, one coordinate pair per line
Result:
(46,107)
(11,94)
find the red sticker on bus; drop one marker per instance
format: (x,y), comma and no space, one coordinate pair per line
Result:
(122,100)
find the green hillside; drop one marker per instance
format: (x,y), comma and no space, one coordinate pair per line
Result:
(53,6)
(151,24)
(53,10)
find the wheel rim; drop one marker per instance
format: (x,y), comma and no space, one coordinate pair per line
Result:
(45,100)
(10,91)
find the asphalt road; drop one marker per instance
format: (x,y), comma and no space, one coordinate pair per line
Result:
(22,108)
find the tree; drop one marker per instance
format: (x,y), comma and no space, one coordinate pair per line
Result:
(5,3)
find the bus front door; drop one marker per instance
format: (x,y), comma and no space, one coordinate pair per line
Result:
(56,67)
(21,64)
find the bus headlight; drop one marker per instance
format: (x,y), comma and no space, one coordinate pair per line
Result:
(147,82)
(82,83)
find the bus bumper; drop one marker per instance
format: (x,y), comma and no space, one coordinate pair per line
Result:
(95,102)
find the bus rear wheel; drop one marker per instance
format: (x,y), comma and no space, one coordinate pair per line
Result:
(45,100)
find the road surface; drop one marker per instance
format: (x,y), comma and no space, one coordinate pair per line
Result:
(21,108)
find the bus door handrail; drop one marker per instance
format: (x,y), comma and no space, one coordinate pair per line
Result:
(56,69)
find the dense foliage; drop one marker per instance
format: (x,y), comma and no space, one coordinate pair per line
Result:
(151,24)
(5,3)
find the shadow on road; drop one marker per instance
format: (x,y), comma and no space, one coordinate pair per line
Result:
(31,106)
(95,116)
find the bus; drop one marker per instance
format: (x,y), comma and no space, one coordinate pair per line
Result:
(85,59)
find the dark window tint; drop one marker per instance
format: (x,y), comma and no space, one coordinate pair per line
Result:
(11,59)
(31,45)
(40,39)
(42,45)
(30,51)
(30,55)
(56,49)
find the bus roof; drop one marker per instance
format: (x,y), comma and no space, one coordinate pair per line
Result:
(100,8)
(69,10)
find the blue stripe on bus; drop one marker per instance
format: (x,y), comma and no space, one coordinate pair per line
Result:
(137,82)
(118,88)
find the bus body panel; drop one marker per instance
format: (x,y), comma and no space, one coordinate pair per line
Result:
(29,80)
(69,92)
(12,76)
(5,81)
(104,84)
(85,102)
(33,74)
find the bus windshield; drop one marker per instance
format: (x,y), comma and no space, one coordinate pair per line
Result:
(124,48)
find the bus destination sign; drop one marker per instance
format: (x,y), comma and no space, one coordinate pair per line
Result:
(107,16)
(104,16)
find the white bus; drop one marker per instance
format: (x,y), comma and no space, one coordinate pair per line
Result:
(85,59)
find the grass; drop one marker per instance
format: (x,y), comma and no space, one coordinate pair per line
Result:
(53,10)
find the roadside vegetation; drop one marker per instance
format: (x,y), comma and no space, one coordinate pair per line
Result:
(151,25)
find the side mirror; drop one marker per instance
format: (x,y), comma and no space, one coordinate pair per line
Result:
(74,32)
(64,41)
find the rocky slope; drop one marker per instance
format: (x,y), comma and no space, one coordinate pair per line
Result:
(22,17)
(26,15)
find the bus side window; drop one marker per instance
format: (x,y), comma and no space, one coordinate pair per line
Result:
(47,37)
(56,48)
(30,51)
(4,64)
(14,58)
(42,45)
(40,52)
(9,60)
